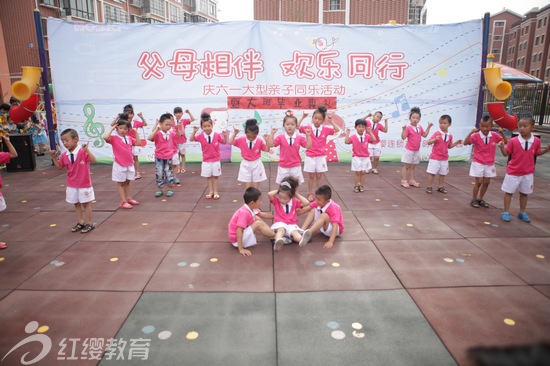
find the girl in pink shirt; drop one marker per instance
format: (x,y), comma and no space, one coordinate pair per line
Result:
(411,156)
(288,204)
(375,148)
(290,161)
(316,156)
(210,142)
(360,162)
(251,170)
(181,139)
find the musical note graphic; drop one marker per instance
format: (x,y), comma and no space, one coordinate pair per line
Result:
(93,129)
(400,101)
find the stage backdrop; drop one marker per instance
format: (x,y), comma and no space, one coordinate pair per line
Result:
(251,69)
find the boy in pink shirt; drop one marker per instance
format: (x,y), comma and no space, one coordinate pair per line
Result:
(520,168)
(442,141)
(80,192)
(326,216)
(181,139)
(246,222)
(483,162)
(360,162)
(5,159)
(163,137)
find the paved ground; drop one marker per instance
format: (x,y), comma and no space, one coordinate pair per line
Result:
(416,279)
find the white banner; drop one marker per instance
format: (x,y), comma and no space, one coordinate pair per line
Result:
(241,70)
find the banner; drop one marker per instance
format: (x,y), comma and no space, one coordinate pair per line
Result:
(251,69)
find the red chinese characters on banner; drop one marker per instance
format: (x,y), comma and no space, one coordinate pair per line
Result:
(301,64)
(276,89)
(151,62)
(259,102)
(363,64)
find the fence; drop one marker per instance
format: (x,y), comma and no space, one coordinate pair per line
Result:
(528,100)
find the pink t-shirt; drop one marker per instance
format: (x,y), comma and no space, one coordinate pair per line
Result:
(210,151)
(522,161)
(165,146)
(78,173)
(376,128)
(334,212)
(243,218)
(4,159)
(318,143)
(122,150)
(440,148)
(247,153)
(290,155)
(137,124)
(358,148)
(414,137)
(280,211)
(484,153)
(181,127)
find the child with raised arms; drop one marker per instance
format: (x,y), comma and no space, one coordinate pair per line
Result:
(251,169)
(181,138)
(79,190)
(360,162)
(375,147)
(123,164)
(411,156)
(288,204)
(290,161)
(128,114)
(483,162)
(246,222)
(442,141)
(521,167)
(163,136)
(210,141)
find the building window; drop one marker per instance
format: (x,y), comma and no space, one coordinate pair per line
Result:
(157,7)
(526,29)
(497,38)
(176,14)
(187,18)
(81,8)
(539,23)
(499,24)
(545,21)
(212,9)
(115,15)
(547,72)
(495,51)
(334,5)
(542,39)
(137,3)
(536,41)
(48,2)
(204,6)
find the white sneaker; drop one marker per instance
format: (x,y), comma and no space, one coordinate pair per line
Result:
(305,238)
(374,171)
(279,244)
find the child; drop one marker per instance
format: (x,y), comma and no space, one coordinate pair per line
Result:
(326,217)
(39,138)
(246,222)
(123,165)
(375,148)
(128,115)
(290,161)
(288,205)
(80,192)
(210,142)
(411,156)
(251,170)
(163,137)
(483,163)
(360,162)
(5,159)
(181,139)
(520,168)
(316,156)
(442,141)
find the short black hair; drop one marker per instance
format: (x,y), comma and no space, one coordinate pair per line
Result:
(5,107)
(486,118)
(447,117)
(528,119)
(123,122)
(71,132)
(251,195)
(178,110)
(324,191)
(360,121)
(164,117)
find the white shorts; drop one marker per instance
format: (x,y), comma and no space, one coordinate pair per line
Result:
(410,157)
(136,150)
(440,167)
(328,231)
(211,169)
(360,164)
(289,228)
(182,149)
(523,183)
(295,172)
(375,149)
(175,159)
(479,170)
(123,173)
(251,171)
(249,238)
(80,195)
(315,164)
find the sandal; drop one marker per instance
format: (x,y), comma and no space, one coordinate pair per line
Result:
(474,203)
(442,190)
(77,227)
(208,196)
(3,245)
(414,183)
(216,196)
(310,197)
(361,189)
(356,189)
(87,228)
(405,184)
(429,190)
(483,204)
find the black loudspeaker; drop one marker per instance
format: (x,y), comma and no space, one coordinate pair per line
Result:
(25,160)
